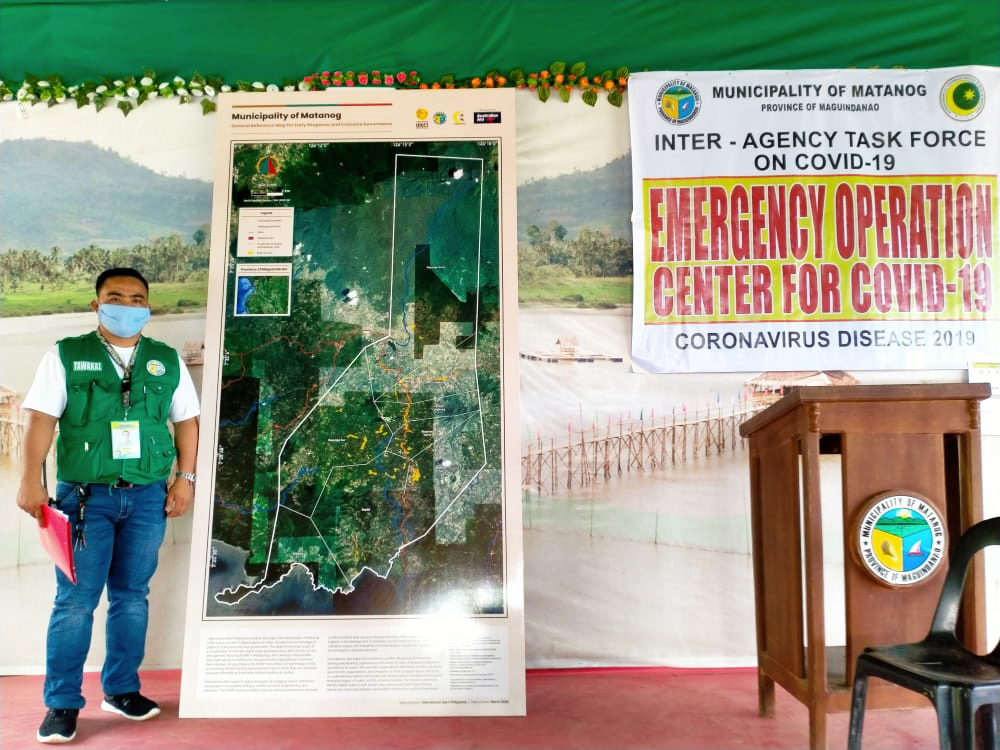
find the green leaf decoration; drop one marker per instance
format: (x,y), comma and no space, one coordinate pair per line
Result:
(130,91)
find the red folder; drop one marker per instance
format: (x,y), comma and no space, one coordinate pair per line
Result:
(57,539)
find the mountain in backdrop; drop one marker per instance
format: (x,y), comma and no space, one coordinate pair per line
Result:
(599,199)
(70,195)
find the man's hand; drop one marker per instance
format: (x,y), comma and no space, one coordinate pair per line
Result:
(31,496)
(180,494)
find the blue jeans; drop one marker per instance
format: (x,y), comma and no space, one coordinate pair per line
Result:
(124,529)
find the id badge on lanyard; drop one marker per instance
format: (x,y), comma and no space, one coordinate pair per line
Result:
(125,439)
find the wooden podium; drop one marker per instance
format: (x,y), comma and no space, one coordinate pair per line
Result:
(909,470)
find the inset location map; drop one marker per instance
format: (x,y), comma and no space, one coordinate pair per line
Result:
(359,442)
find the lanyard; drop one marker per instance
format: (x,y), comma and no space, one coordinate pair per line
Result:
(126,369)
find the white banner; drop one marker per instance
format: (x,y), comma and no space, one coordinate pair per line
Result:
(814,219)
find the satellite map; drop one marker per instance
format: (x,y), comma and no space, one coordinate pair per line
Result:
(358,459)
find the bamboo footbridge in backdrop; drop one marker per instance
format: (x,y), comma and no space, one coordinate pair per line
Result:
(11,423)
(587,456)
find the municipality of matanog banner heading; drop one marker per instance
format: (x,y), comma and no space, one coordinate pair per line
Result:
(815,219)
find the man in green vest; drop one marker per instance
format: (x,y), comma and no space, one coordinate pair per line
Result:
(112,392)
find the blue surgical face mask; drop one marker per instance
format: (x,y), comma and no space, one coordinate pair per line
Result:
(122,320)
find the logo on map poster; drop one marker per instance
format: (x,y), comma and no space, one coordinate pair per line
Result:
(901,538)
(963,97)
(268,166)
(440,118)
(678,102)
(486,118)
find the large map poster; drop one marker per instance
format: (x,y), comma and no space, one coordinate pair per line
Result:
(357,543)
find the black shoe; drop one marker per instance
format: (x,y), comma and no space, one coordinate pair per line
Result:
(58,726)
(130,705)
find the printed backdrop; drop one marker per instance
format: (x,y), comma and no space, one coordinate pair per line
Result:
(642,560)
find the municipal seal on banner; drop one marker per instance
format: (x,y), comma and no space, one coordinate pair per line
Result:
(678,101)
(963,97)
(901,538)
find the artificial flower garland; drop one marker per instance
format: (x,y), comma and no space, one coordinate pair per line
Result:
(129,92)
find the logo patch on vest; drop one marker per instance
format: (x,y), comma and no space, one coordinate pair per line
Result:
(155,367)
(85,366)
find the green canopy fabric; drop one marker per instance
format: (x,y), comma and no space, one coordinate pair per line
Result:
(270,41)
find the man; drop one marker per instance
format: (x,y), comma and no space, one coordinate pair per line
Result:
(112,392)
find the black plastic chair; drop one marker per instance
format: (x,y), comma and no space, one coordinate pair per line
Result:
(956,680)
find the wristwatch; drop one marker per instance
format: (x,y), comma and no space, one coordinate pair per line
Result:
(185,475)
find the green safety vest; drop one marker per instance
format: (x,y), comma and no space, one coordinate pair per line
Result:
(94,400)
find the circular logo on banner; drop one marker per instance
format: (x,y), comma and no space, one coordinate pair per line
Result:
(678,102)
(155,367)
(962,97)
(901,538)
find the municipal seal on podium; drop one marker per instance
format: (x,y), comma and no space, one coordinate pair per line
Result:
(901,538)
